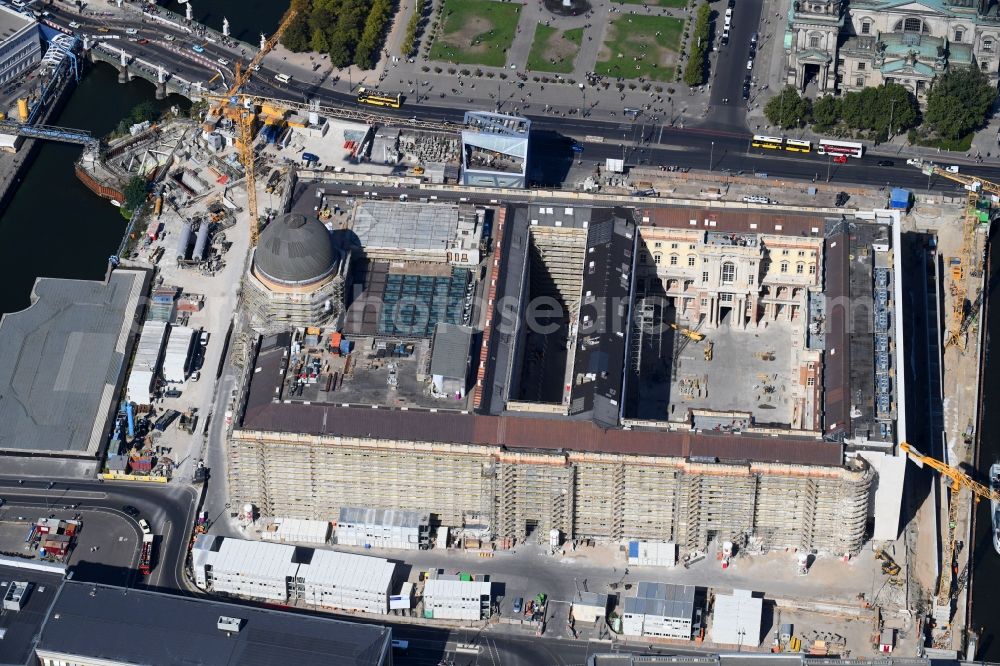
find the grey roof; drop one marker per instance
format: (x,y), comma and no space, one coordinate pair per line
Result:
(405,226)
(12,22)
(62,362)
(144,627)
(383,517)
(450,355)
(295,250)
(663,599)
(21,629)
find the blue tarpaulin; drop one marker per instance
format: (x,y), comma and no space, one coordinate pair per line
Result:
(900,198)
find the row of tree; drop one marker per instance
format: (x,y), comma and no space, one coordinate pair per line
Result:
(410,38)
(697,64)
(957,104)
(350,31)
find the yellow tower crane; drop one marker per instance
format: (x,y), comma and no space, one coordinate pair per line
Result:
(961,318)
(959,480)
(235,104)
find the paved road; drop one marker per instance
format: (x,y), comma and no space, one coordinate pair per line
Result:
(168,509)
(727,108)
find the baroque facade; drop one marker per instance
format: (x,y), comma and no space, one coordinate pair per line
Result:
(872,42)
(708,275)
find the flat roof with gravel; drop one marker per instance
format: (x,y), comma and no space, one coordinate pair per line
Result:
(63,362)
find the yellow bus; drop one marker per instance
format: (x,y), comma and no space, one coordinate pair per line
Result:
(770,142)
(376,98)
(798,146)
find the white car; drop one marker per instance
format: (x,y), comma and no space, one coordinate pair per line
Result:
(951,169)
(131,31)
(749,64)
(223,62)
(729,12)
(169,38)
(74,25)
(913,161)
(144,526)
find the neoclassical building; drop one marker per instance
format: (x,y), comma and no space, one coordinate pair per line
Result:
(708,275)
(870,42)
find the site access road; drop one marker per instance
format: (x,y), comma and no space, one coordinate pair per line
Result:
(169,509)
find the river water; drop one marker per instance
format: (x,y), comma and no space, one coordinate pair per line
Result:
(247,18)
(53,225)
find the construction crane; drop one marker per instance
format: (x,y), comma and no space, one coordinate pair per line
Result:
(961,317)
(959,480)
(688,333)
(236,103)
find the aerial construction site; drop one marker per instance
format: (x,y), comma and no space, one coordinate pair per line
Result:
(351,324)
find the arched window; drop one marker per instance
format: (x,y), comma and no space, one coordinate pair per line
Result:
(784,267)
(800,269)
(728,272)
(912,25)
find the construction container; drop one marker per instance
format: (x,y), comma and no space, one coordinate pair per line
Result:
(900,198)
(175,361)
(346,346)
(184,241)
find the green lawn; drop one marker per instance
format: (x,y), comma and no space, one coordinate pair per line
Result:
(476,32)
(553,50)
(676,4)
(633,49)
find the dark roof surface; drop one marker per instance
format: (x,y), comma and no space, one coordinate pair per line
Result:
(599,359)
(452,346)
(527,432)
(21,628)
(294,250)
(61,361)
(143,627)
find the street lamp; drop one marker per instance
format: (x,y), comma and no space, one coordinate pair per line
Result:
(711,156)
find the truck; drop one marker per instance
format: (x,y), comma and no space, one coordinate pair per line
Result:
(146,554)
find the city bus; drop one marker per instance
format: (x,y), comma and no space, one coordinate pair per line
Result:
(770,142)
(376,98)
(798,146)
(849,148)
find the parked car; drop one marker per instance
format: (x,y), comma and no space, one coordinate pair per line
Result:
(749,64)
(746,91)
(842,198)
(886,163)
(518,605)
(144,526)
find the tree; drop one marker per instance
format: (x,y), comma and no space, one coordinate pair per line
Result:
(296,36)
(144,111)
(959,101)
(318,42)
(135,194)
(897,110)
(788,109)
(826,112)
(694,71)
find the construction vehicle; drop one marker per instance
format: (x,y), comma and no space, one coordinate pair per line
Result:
(889,566)
(959,481)
(961,315)
(146,554)
(688,333)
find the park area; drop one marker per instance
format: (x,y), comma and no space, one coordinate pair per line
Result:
(476,32)
(641,47)
(554,50)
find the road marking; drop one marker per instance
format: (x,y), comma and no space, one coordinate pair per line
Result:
(163,547)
